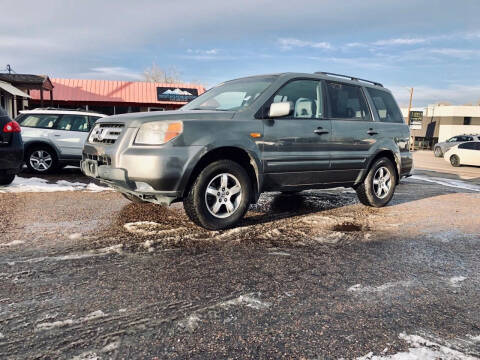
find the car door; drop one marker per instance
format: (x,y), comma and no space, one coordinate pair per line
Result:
(70,134)
(469,153)
(353,133)
(296,147)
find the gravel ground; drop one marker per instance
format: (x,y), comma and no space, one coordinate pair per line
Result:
(315,275)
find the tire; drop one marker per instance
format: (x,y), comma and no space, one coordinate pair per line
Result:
(368,190)
(6,179)
(200,206)
(45,153)
(438,152)
(455,160)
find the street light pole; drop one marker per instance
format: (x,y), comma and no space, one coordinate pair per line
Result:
(409,106)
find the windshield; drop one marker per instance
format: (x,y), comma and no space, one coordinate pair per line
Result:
(232,95)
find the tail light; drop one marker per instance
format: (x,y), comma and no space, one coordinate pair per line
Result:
(12,127)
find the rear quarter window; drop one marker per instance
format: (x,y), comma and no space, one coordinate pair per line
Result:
(386,106)
(467,146)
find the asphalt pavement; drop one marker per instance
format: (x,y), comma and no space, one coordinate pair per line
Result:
(315,275)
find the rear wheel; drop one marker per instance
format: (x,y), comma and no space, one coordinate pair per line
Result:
(41,160)
(220,195)
(438,152)
(379,185)
(455,160)
(6,179)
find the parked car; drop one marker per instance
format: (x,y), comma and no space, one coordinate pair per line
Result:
(464,154)
(442,147)
(11,148)
(54,138)
(285,132)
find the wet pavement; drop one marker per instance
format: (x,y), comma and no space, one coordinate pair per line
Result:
(315,275)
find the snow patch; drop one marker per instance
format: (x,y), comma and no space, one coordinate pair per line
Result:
(374,289)
(56,324)
(421,349)
(447,182)
(2,336)
(75,236)
(20,185)
(12,243)
(455,280)
(148,228)
(247,300)
(279,253)
(190,323)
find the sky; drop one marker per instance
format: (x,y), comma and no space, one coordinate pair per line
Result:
(430,45)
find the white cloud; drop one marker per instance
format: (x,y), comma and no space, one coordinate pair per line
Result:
(400,41)
(112,73)
(423,95)
(290,43)
(456,53)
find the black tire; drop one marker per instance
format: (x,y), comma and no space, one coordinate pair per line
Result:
(366,191)
(438,152)
(6,179)
(195,203)
(455,160)
(52,165)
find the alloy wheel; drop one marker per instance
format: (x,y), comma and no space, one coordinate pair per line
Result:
(382,182)
(41,160)
(223,195)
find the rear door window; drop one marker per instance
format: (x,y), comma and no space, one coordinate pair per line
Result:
(347,102)
(73,123)
(386,106)
(44,121)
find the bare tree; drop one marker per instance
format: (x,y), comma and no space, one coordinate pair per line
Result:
(156,74)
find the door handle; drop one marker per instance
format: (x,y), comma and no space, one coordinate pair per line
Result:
(371,132)
(320,131)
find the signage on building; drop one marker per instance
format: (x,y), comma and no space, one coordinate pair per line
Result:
(415,120)
(176,94)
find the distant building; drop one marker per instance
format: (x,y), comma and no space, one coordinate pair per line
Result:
(441,122)
(15,91)
(117,97)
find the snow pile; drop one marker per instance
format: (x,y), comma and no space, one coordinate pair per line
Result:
(56,324)
(448,182)
(247,300)
(148,228)
(12,243)
(359,288)
(454,281)
(34,184)
(421,349)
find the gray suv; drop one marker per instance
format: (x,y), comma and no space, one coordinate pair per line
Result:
(285,132)
(442,147)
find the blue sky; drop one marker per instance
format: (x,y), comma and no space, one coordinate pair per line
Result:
(433,46)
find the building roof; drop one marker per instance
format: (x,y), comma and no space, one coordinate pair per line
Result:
(109,91)
(12,89)
(447,110)
(26,80)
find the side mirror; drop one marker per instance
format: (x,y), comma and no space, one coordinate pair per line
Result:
(280,109)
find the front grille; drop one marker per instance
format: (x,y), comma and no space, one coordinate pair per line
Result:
(100,159)
(106,133)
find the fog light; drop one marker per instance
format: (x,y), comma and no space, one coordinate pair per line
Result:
(141,186)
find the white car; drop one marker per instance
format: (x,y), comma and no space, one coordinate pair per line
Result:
(54,137)
(467,153)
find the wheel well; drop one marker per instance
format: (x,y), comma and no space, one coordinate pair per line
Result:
(38,144)
(389,155)
(226,153)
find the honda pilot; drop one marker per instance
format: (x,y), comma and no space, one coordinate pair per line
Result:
(285,132)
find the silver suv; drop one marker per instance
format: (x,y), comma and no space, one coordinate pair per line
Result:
(54,138)
(442,147)
(286,132)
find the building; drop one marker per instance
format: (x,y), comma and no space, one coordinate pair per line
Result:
(117,97)
(15,90)
(441,122)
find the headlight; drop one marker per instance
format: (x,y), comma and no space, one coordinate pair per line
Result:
(158,133)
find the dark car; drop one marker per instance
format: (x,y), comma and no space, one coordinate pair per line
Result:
(11,148)
(286,132)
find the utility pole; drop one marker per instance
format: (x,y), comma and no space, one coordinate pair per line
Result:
(9,69)
(409,106)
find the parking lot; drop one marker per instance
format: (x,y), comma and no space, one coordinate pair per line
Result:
(86,274)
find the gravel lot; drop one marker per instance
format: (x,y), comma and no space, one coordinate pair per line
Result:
(88,275)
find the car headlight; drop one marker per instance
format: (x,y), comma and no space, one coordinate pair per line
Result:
(158,133)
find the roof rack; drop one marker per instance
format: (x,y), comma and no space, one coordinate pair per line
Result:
(349,77)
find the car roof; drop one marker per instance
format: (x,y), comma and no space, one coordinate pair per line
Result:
(61,112)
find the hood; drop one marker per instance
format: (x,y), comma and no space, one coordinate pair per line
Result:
(137,119)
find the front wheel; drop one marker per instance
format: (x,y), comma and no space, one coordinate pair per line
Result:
(455,160)
(6,179)
(220,195)
(379,185)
